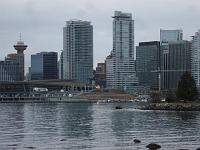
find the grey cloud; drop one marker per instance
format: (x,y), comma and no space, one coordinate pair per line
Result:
(41,21)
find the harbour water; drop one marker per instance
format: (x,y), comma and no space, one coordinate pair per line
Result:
(94,127)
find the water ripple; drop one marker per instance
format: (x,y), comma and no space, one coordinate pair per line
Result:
(95,127)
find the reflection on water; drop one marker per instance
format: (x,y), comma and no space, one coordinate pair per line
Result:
(92,126)
(75,118)
(11,123)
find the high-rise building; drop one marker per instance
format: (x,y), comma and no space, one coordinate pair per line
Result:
(171,35)
(123,51)
(195,58)
(60,66)
(78,51)
(148,63)
(44,66)
(167,36)
(109,72)
(178,62)
(179,57)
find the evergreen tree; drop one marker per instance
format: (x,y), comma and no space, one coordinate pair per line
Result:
(187,89)
(171,96)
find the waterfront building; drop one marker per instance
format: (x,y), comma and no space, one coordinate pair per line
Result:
(148,63)
(44,66)
(78,51)
(178,62)
(195,58)
(167,36)
(100,75)
(9,71)
(60,66)
(123,63)
(53,86)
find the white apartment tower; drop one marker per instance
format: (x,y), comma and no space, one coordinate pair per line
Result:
(195,58)
(123,51)
(78,51)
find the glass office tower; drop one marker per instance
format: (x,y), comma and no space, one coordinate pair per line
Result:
(44,66)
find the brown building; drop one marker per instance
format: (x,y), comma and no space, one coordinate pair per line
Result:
(100,75)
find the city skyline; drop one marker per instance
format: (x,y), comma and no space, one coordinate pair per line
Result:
(44,33)
(99,74)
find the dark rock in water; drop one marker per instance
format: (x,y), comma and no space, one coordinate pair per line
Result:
(63,140)
(136,141)
(183,149)
(153,146)
(198,148)
(13,145)
(30,147)
(118,107)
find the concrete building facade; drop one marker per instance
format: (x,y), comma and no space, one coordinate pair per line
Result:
(109,72)
(60,66)
(78,51)
(195,58)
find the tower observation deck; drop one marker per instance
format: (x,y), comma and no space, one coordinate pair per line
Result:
(20,47)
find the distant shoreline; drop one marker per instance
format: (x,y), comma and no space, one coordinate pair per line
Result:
(75,99)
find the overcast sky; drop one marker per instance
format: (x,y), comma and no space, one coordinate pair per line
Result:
(41,21)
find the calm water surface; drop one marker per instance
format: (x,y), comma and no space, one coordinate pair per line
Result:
(95,127)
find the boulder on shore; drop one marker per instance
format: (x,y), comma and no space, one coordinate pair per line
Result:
(173,106)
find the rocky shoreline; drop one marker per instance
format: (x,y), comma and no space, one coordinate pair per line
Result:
(193,106)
